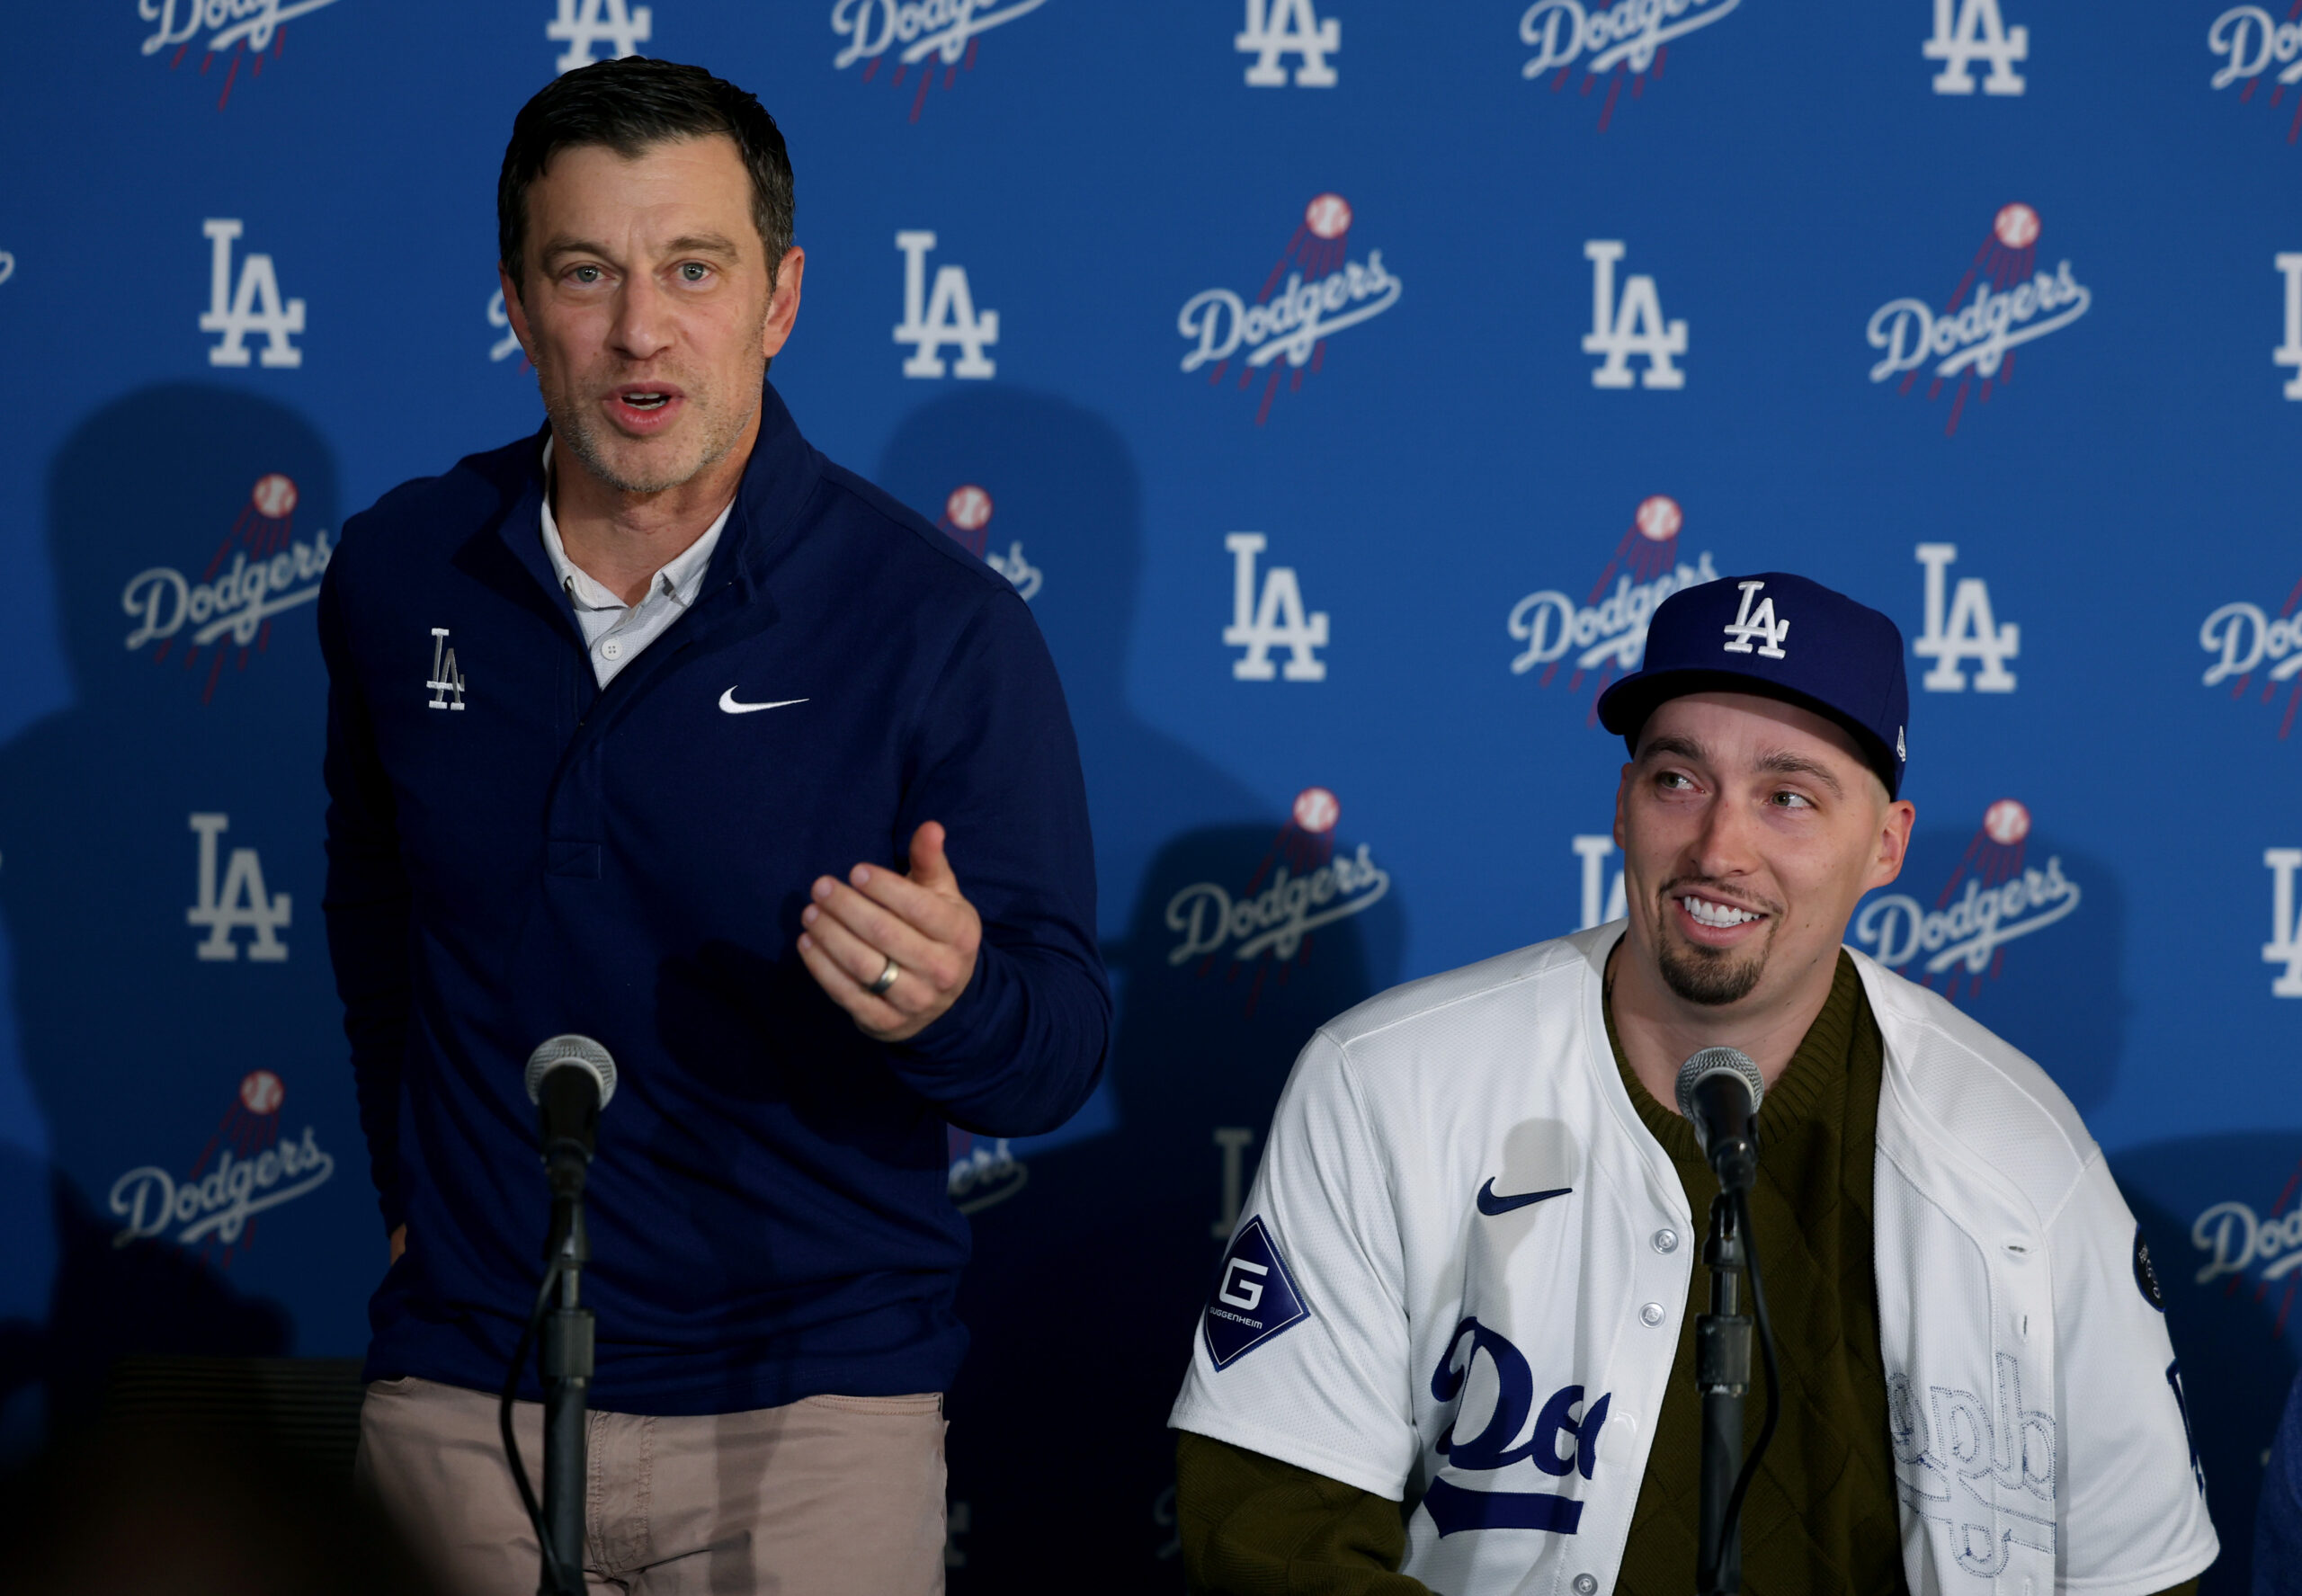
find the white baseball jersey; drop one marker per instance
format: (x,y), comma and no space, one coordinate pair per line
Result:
(1461,1275)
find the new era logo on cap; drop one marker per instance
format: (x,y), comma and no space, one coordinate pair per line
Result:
(1733,636)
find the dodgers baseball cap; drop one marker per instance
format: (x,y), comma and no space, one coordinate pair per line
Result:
(1782,637)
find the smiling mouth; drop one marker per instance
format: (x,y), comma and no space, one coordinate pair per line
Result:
(1718,916)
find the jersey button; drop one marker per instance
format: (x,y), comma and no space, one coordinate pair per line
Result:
(1651,1315)
(1666,1240)
(1585,1583)
(611,649)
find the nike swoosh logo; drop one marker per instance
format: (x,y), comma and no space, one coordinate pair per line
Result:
(1491,1205)
(728,702)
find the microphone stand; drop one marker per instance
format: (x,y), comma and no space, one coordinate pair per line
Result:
(1722,1363)
(568,1362)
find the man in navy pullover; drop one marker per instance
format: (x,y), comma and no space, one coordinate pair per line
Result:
(605,705)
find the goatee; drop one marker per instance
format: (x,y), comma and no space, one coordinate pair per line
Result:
(1712,976)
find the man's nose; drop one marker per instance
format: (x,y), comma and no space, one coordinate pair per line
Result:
(1726,843)
(642,326)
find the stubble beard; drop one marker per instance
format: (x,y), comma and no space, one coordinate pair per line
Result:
(584,432)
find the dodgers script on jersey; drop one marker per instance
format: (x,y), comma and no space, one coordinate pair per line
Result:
(1460,1274)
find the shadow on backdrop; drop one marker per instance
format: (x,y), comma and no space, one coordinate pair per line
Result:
(2015,969)
(2224,1226)
(188,526)
(1094,1245)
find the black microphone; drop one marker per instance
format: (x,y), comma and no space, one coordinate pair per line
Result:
(1719,1089)
(570,1078)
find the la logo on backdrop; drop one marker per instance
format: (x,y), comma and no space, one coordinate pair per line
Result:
(1964,935)
(582,26)
(1325,291)
(1606,633)
(1301,885)
(250,29)
(245,1169)
(925,34)
(1973,339)
(259,568)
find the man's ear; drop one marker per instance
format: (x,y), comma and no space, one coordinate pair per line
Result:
(783,301)
(1894,842)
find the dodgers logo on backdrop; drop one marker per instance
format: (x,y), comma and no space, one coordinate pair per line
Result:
(1301,885)
(508,345)
(1629,39)
(1277,29)
(1326,292)
(245,1169)
(2014,302)
(984,1171)
(259,568)
(584,26)
(1951,1445)
(247,28)
(1607,631)
(1970,30)
(2243,639)
(1968,633)
(1562,1443)
(2238,1245)
(254,305)
(966,521)
(1966,933)
(923,33)
(2249,41)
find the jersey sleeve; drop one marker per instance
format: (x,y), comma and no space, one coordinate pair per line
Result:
(1301,1352)
(2133,1516)
(1253,1526)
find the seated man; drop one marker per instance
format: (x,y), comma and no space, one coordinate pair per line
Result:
(1450,1346)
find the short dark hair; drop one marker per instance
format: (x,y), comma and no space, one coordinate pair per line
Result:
(628,104)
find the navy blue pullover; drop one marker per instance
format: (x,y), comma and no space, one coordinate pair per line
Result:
(768,1211)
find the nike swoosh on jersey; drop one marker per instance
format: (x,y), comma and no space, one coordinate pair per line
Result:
(728,702)
(1491,1205)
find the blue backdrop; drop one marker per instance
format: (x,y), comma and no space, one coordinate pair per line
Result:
(1343,383)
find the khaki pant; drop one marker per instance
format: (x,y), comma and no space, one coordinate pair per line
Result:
(827,1496)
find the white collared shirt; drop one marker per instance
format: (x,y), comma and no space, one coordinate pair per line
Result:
(614,633)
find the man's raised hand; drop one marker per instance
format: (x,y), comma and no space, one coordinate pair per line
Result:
(921,922)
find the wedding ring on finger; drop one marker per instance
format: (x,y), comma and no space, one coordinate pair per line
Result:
(887,978)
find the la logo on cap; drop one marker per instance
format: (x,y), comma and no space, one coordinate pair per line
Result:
(1763,625)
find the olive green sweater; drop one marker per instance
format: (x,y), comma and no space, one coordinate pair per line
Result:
(1821,1516)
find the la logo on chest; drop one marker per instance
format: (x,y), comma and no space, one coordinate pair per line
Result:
(446,685)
